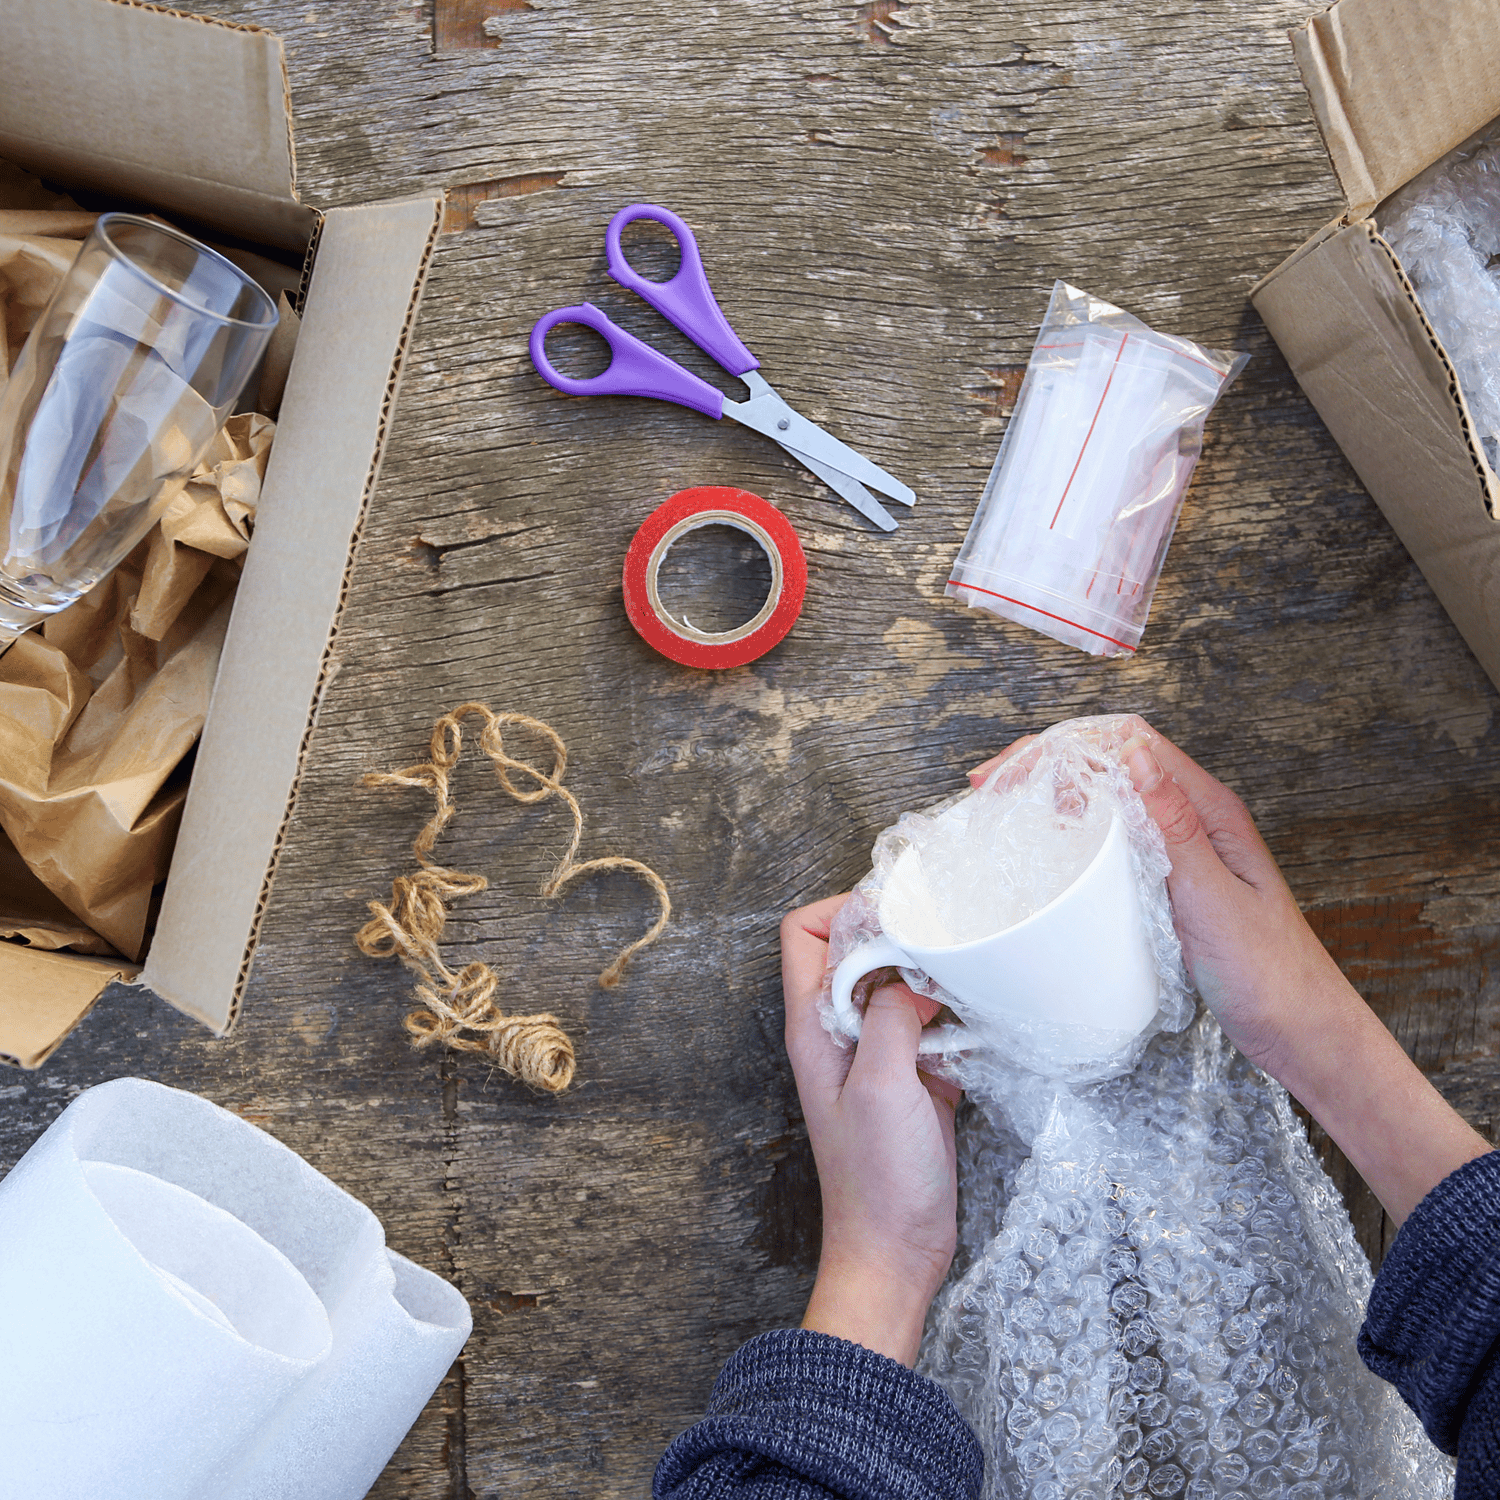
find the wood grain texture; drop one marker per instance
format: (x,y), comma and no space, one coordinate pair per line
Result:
(883,194)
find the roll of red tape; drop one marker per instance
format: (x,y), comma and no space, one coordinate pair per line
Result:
(715,505)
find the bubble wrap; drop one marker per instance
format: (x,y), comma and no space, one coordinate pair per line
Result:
(1056,797)
(1162,1299)
(1157,1289)
(1444,226)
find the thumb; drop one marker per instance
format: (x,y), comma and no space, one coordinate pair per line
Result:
(888,1035)
(1194,859)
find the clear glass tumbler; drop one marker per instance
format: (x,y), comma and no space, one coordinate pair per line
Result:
(138,359)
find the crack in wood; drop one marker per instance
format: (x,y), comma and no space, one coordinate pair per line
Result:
(485,583)
(456,1438)
(997,397)
(431,554)
(465,197)
(1007,150)
(880,21)
(470,25)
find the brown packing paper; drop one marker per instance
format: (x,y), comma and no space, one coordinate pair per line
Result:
(31,914)
(210,518)
(99,708)
(278,361)
(94,717)
(47,994)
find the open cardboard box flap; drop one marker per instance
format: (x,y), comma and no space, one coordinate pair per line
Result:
(191,116)
(354,327)
(1395,85)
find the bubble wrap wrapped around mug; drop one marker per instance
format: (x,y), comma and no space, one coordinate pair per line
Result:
(1003,852)
(1157,1290)
(1444,226)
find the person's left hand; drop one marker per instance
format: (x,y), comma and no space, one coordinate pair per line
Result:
(882,1137)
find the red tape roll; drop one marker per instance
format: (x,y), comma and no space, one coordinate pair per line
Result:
(715,505)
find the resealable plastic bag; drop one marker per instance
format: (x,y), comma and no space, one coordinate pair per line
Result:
(1078,510)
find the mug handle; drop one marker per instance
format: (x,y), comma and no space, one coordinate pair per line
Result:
(882,953)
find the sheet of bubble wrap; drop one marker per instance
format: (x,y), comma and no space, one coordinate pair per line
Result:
(1445,227)
(1159,1295)
(192,1311)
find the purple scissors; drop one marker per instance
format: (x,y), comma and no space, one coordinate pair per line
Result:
(636,369)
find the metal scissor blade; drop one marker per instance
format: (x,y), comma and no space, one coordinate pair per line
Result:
(767,413)
(851,490)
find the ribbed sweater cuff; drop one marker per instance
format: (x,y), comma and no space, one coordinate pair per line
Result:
(1434,1314)
(831,1414)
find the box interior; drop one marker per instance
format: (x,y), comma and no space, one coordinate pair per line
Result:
(106,96)
(1395,85)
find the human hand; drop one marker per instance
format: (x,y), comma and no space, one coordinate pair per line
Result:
(882,1137)
(1247,947)
(1275,989)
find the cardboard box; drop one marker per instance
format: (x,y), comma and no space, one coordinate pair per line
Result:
(192,117)
(1395,85)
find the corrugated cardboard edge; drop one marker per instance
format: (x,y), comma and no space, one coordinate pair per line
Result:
(1343,313)
(1395,85)
(249,26)
(1489,483)
(46,995)
(171,968)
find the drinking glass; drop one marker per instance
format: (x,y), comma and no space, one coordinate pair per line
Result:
(129,372)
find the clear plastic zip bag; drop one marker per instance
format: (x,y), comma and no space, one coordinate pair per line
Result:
(1075,518)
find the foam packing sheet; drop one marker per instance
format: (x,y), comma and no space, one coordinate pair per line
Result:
(193,1311)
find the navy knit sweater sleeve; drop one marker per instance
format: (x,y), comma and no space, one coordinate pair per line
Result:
(796,1415)
(1434,1321)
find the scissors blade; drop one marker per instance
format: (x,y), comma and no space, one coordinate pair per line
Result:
(850,490)
(768,414)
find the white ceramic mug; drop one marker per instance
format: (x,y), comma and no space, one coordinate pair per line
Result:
(1083,960)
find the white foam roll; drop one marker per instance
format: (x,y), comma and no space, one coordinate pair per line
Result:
(194,1311)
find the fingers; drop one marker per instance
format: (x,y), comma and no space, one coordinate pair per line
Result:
(1223,818)
(981,773)
(1188,847)
(818,1062)
(942,1089)
(887,1048)
(925,1008)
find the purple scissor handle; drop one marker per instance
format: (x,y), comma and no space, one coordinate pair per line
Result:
(634,369)
(687,300)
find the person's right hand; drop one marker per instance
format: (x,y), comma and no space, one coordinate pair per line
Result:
(1250,951)
(1276,990)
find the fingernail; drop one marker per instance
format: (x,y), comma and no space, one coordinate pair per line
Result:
(1145,770)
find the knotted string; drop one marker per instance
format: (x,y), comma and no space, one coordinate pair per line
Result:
(460,1009)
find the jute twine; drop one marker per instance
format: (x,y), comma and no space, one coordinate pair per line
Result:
(460,1009)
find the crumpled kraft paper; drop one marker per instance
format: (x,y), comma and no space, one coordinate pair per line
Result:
(99,708)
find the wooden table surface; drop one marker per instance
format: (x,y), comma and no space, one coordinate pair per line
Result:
(884,193)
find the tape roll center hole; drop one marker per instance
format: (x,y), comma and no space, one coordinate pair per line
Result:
(714,578)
